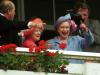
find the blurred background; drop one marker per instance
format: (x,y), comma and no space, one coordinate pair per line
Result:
(50,10)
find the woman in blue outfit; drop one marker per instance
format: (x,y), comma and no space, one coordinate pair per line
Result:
(65,27)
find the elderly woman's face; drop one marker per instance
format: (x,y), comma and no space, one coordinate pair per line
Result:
(36,34)
(64,29)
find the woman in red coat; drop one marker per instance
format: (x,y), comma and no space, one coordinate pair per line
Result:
(33,34)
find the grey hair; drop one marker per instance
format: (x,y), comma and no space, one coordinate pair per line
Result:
(6,6)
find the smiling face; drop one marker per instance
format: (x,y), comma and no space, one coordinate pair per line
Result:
(36,34)
(64,30)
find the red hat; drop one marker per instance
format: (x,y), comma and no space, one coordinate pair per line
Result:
(33,22)
(37,20)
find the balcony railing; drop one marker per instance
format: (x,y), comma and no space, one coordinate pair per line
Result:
(91,67)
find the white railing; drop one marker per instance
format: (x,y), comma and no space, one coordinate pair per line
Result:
(71,54)
(91,67)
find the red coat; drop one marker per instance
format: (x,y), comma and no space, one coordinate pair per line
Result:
(29,43)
